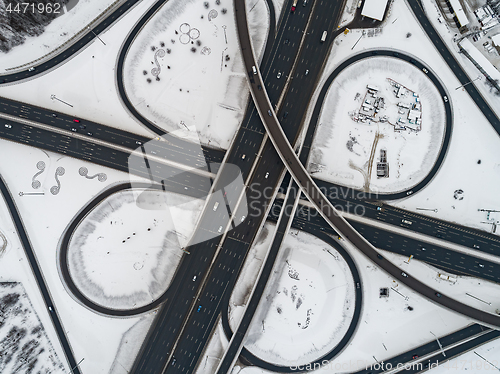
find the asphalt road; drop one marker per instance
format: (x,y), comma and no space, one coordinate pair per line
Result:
(441,257)
(179,151)
(448,120)
(235,344)
(72,49)
(416,7)
(294,166)
(197,325)
(37,273)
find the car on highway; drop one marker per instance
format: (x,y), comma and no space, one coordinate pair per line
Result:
(54,115)
(414,357)
(267,175)
(76,120)
(379,209)
(406,222)
(404,274)
(304,3)
(481,265)
(50,308)
(307,72)
(438,294)
(476,246)
(138,142)
(199,308)
(31,69)
(82,126)
(285,115)
(8,126)
(269,112)
(216,205)
(219,229)
(153,152)
(243,218)
(423,249)
(259,87)
(287,41)
(425,70)
(279,75)
(243,157)
(73,129)
(89,133)
(380,256)
(194,278)
(173,360)
(445,98)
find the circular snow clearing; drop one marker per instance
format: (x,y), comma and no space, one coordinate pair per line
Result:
(308,310)
(398,126)
(122,256)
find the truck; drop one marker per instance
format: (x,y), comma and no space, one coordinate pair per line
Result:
(323,37)
(294,5)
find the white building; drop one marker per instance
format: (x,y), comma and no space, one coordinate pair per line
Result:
(459,12)
(480,59)
(374,9)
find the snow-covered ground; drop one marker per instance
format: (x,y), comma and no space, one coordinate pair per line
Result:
(473,139)
(184,70)
(250,271)
(87,81)
(124,255)
(447,35)
(307,306)
(58,32)
(347,152)
(93,337)
(24,343)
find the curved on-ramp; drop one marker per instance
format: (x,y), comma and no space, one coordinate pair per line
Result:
(437,83)
(336,350)
(316,197)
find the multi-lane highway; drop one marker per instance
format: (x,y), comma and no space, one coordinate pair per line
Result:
(316,197)
(39,278)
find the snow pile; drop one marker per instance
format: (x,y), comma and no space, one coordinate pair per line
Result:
(410,154)
(184,70)
(123,256)
(307,306)
(24,345)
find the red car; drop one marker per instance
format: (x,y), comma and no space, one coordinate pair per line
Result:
(293,9)
(414,357)
(76,120)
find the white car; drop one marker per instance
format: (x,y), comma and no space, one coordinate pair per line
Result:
(194,278)
(279,75)
(220,229)
(267,175)
(31,69)
(8,126)
(243,218)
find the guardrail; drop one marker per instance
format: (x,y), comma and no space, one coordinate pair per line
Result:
(70,40)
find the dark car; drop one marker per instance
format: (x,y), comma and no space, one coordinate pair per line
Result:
(414,357)
(438,294)
(285,114)
(380,256)
(270,113)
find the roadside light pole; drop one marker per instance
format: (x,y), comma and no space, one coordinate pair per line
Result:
(439,343)
(53,97)
(463,85)
(97,36)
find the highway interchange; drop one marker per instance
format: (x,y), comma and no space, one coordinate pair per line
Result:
(179,333)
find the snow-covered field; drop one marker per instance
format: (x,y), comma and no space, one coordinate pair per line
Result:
(346,152)
(24,343)
(184,70)
(59,31)
(307,306)
(472,163)
(45,216)
(124,254)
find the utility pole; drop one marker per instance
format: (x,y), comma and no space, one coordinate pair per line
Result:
(439,343)
(97,36)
